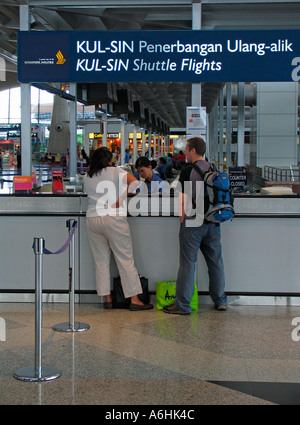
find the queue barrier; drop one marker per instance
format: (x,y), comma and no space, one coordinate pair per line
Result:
(70,326)
(38,373)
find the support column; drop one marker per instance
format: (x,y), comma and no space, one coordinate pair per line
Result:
(122,128)
(221,118)
(214,141)
(104,130)
(228,124)
(196,18)
(143,142)
(26,156)
(134,140)
(149,142)
(59,137)
(154,144)
(210,151)
(241,125)
(73,132)
(167,144)
(208,135)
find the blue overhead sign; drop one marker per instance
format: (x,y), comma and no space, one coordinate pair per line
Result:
(128,56)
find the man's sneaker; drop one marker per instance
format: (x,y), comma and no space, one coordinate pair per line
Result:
(171,309)
(221,307)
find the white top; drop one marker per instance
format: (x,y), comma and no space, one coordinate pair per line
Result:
(103,190)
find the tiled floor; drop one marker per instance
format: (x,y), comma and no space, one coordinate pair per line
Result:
(240,357)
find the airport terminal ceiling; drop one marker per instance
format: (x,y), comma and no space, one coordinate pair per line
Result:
(168,100)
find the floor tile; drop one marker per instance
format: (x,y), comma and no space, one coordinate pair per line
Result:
(245,356)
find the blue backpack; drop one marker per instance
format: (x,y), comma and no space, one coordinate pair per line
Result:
(217,191)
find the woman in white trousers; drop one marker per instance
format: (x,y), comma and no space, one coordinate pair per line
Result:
(108,229)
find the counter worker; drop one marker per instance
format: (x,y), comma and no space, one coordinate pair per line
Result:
(205,236)
(145,173)
(108,228)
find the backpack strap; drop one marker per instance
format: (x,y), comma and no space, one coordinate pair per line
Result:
(200,171)
(202,174)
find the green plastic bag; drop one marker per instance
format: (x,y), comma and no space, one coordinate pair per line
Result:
(166,295)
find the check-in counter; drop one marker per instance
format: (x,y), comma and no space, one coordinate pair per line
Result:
(24,217)
(260,245)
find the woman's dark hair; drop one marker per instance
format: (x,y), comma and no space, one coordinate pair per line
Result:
(100,159)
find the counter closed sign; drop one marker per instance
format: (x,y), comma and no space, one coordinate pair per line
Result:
(238,176)
(194,55)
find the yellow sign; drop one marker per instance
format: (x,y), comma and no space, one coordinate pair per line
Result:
(95,135)
(60,58)
(138,135)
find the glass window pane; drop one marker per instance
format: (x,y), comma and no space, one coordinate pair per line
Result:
(4,95)
(15,105)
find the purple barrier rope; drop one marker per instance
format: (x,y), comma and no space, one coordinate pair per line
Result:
(65,245)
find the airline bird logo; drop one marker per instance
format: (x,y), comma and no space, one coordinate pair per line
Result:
(60,58)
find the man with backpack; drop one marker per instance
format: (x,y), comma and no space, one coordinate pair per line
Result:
(205,236)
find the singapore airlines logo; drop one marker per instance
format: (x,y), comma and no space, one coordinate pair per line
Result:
(60,58)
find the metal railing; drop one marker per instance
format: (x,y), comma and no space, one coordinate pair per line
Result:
(287,174)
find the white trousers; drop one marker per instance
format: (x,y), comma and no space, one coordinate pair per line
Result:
(112,233)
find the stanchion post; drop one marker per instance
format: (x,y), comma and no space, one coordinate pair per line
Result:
(38,250)
(70,225)
(38,372)
(71,326)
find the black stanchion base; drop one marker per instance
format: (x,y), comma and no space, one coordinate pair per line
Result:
(32,374)
(68,327)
